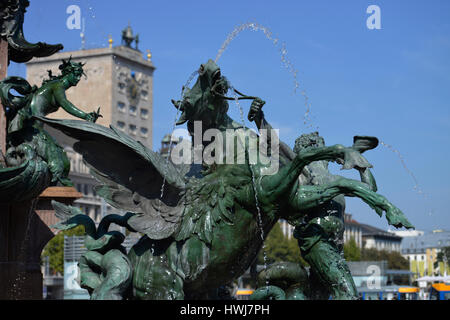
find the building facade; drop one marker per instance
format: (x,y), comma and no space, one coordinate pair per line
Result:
(374,238)
(352,230)
(422,250)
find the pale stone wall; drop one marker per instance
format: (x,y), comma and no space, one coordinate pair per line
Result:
(133,117)
(107,86)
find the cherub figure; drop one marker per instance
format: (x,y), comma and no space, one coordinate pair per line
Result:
(26,137)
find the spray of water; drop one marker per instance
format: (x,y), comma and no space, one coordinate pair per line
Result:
(183,92)
(260,222)
(402,160)
(281,46)
(22,257)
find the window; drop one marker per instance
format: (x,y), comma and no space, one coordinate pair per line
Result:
(121,125)
(132,129)
(144,132)
(133,110)
(96,214)
(86,189)
(121,106)
(144,113)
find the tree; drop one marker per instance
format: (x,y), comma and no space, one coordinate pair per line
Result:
(395,260)
(352,251)
(443,256)
(279,248)
(55,249)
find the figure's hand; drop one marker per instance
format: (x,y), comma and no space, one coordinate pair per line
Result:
(93,116)
(255,109)
(397,219)
(353,159)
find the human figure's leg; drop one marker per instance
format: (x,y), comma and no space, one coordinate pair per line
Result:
(318,247)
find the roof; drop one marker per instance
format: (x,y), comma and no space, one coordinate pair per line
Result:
(375,232)
(441,286)
(445,279)
(166,139)
(121,52)
(349,221)
(391,288)
(399,272)
(429,240)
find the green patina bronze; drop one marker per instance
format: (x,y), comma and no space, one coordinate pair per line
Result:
(33,160)
(12,15)
(105,252)
(283,281)
(202,230)
(319,230)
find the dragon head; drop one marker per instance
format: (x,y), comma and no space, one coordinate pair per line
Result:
(204,101)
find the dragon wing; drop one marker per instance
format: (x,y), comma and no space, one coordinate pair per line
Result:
(131,176)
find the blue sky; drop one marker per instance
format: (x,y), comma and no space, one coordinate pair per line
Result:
(392,83)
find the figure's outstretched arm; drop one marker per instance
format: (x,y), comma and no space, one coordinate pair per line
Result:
(61,100)
(307,197)
(279,184)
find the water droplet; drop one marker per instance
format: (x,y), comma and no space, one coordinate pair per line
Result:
(284,59)
(416,183)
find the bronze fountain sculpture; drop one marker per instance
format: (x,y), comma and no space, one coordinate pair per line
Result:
(201,223)
(202,231)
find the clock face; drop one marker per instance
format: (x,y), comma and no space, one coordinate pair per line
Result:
(133,92)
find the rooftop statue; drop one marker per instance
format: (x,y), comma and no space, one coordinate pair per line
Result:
(203,230)
(12,14)
(128,37)
(33,158)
